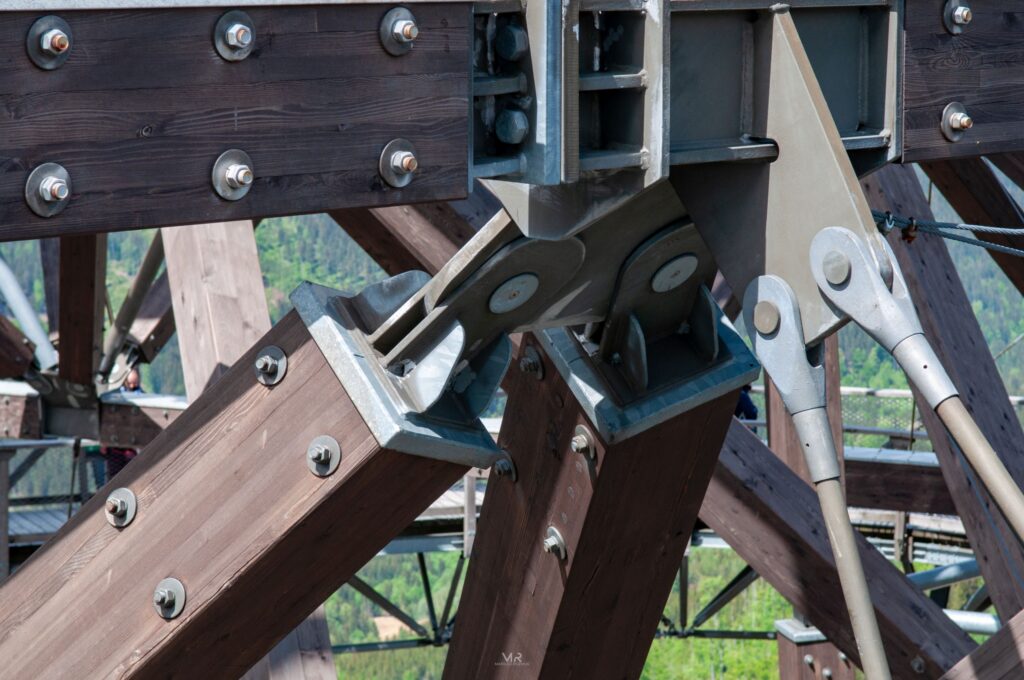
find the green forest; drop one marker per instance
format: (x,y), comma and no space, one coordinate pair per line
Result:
(294,249)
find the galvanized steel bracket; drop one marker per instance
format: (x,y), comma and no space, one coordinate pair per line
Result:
(446,431)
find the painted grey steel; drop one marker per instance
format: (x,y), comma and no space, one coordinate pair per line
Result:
(513,294)
(367,591)
(801,385)
(392,424)
(955,121)
(511,126)
(222,167)
(40,56)
(232,49)
(391,154)
(169,402)
(946,575)
(888,316)
(17,302)
(47,172)
(42,5)
(323,455)
(978,623)
(271,365)
(554,543)
(393,38)
(169,598)
(613,422)
(129,309)
(120,507)
(798,632)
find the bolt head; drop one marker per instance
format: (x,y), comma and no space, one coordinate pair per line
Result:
(320,454)
(579,444)
(238,175)
(836,267)
(917,665)
(766,317)
(266,364)
(405,30)
(503,467)
(117,507)
(55,42)
(404,162)
(550,544)
(54,189)
(962,15)
(512,126)
(238,36)
(163,598)
(512,43)
(808,659)
(961,121)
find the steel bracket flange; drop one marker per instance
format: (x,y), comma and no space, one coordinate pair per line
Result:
(448,431)
(614,422)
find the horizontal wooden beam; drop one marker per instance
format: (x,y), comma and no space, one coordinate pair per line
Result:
(228,506)
(771,518)
(897,486)
(313,105)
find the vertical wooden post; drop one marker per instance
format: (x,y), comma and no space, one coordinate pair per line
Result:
(83,276)
(5,534)
(805,654)
(625,517)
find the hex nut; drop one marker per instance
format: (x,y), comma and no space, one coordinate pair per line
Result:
(234,36)
(582,442)
(962,15)
(512,126)
(505,467)
(233,175)
(404,162)
(55,42)
(512,42)
(398,31)
(398,163)
(48,189)
(120,507)
(271,365)
(49,42)
(238,175)
(405,30)
(955,121)
(169,598)
(323,455)
(53,189)
(554,543)
(238,36)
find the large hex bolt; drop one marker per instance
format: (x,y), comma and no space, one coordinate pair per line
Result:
(55,42)
(398,31)
(582,442)
(405,30)
(404,162)
(238,36)
(53,189)
(955,121)
(238,175)
(512,43)
(512,126)
(555,544)
(962,15)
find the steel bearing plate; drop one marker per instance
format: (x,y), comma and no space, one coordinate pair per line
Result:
(33,43)
(450,437)
(35,179)
(219,172)
(230,52)
(735,366)
(130,507)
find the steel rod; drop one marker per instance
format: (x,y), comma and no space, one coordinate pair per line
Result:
(27,318)
(737,585)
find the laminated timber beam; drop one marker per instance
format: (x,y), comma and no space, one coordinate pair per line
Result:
(771,518)
(998,658)
(228,506)
(16,351)
(897,486)
(625,516)
(949,323)
(978,196)
(314,106)
(154,324)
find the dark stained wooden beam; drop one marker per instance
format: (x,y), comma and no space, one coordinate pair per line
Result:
(151,166)
(133,426)
(305,654)
(21,416)
(229,507)
(978,68)
(83,276)
(978,196)
(16,351)
(626,518)
(771,518)
(897,486)
(998,658)
(950,325)
(1012,165)
(423,236)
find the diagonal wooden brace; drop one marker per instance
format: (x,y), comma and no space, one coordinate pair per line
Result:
(227,505)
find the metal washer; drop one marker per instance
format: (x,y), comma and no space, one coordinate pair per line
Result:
(395,179)
(395,48)
(131,507)
(324,469)
(229,52)
(42,59)
(35,179)
(220,167)
(176,587)
(947,130)
(513,294)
